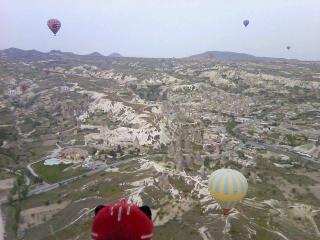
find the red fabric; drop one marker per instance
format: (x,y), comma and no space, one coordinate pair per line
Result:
(54,25)
(121,221)
(226,211)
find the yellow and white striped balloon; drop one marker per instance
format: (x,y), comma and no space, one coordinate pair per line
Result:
(228,187)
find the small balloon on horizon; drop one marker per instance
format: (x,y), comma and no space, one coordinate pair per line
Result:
(23,86)
(246,22)
(54,25)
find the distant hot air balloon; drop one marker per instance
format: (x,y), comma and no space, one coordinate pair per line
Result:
(246,23)
(228,187)
(288,47)
(54,25)
(64,89)
(23,86)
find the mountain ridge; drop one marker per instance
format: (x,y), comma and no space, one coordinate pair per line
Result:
(233,56)
(35,55)
(115,55)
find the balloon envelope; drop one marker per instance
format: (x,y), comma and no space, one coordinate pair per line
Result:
(288,47)
(64,89)
(23,86)
(228,187)
(246,23)
(54,25)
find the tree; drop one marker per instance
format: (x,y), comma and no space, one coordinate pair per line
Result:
(231,125)
(112,153)
(291,139)
(38,180)
(24,192)
(17,211)
(92,151)
(15,227)
(241,154)
(162,146)
(138,151)
(119,150)
(206,161)
(19,180)
(10,198)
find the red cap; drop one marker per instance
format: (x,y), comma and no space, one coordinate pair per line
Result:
(226,211)
(121,221)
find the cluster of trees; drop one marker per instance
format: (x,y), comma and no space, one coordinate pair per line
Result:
(119,150)
(8,134)
(241,154)
(206,122)
(231,125)
(291,139)
(294,140)
(136,151)
(112,152)
(15,196)
(151,93)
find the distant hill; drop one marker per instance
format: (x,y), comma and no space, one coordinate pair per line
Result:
(115,55)
(34,55)
(23,55)
(16,54)
(217,55)
(95,54)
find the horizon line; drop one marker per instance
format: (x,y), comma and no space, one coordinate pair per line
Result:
(219,51)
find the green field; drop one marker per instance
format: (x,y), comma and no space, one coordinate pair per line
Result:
(56,173)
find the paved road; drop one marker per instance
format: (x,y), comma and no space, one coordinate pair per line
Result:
(30,169)
(277,149)
(48,187)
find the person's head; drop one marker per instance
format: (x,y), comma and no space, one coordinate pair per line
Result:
(122,221)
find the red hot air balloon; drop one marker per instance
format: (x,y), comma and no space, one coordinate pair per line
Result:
(246,23)
(54,25)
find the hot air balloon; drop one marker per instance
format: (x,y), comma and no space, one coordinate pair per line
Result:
(228,187)
(246,23)
(288,47)
(64,89)
(54,25)
(23,86)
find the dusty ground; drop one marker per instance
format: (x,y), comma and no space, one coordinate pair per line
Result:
(6,183)
(286,187)
(49,142)
(38,215)
(5,186)
(315,175)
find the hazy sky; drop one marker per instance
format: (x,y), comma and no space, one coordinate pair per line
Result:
(164,28)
